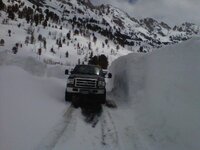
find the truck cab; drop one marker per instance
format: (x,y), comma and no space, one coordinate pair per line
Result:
(86,83)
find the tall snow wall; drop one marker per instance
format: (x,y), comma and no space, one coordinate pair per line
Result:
(32,65)
(163,91)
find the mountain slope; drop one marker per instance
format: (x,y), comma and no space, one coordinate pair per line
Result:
(137,35)
(59,42)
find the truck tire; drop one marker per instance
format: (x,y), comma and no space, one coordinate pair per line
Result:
(103,98)
(68,96)
(75,101)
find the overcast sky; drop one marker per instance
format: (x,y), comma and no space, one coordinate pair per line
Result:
(170,11)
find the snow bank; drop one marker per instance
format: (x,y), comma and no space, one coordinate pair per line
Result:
(29,107)
(32,65)
(162,91)
(31,100)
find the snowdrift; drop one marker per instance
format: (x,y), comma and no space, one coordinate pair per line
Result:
(29,107)
(32,65)
(31,100)
(162,89)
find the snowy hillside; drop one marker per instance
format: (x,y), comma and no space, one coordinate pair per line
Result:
(53,20)
(57,44)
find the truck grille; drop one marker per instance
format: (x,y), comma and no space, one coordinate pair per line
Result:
(85,83)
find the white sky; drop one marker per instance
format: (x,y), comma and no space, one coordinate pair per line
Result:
(170,11)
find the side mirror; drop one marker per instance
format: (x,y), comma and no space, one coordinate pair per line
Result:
(109,75)
(104,74)
(72,71)
(66,72)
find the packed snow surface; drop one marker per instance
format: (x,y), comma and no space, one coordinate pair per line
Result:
(157,97)
(162,90)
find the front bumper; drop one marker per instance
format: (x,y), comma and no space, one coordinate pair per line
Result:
(84,91)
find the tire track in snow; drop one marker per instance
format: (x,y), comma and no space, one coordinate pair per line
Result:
(109,134)
(51,140)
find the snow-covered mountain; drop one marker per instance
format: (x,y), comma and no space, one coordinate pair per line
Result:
(112,23)
(189,28)
(30,29)
(120,27)
(157,94)
(68,32)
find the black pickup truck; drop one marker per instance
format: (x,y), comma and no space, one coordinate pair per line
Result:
(86,83)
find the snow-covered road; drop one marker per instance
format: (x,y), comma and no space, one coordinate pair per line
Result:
(34,115)
(103,135)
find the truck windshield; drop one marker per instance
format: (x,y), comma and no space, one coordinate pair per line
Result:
(84,69)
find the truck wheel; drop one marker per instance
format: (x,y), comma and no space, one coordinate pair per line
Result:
(68,97)
(75,101)
(103,98)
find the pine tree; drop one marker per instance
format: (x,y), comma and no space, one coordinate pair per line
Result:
(141,49)
(27,40)
(11,15)
(60,43)
(64,40)
(69,35)
(52,50)
(89,46)
(106,41)
(40,37)
(2,5)
(117,47)
(9,32)
(79,61)
(44,43)
(36,19)
(39,51)
(91,55)
(101,60)
(32,39)
(15,50)
(44,23)
(66,54)
(103,45)
(2,42)
(94,39)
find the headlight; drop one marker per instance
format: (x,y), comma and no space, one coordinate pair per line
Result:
(70,81)
(101,84)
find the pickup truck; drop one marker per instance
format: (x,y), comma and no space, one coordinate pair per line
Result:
(86,83)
